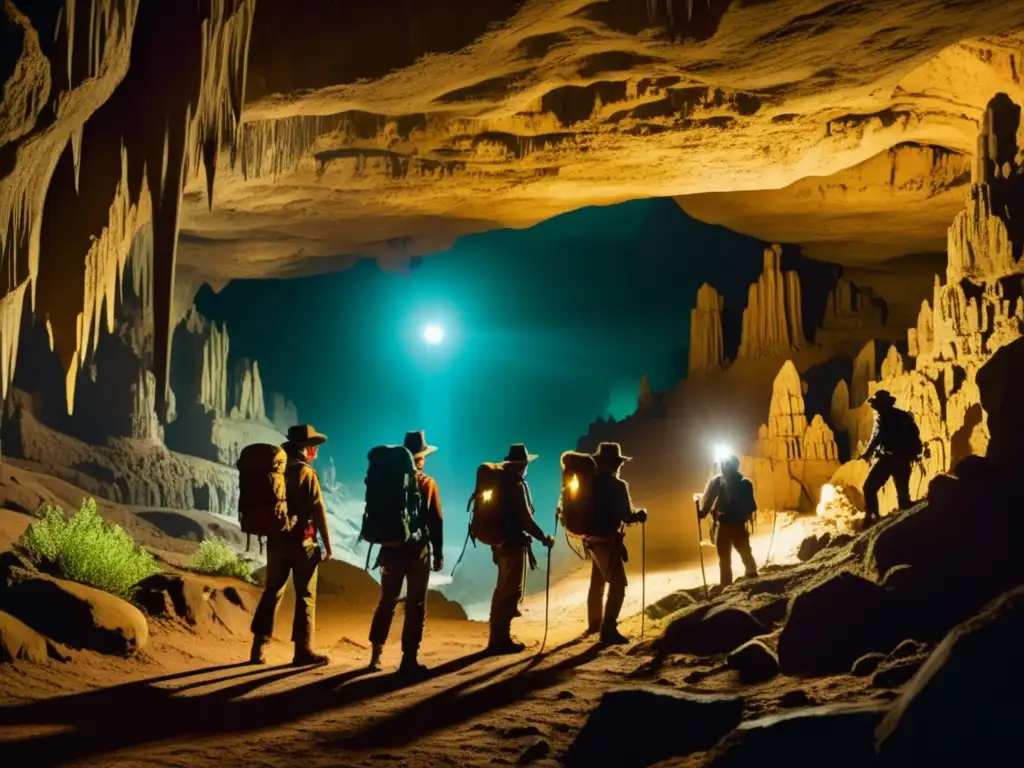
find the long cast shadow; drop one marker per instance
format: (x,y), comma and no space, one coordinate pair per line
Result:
(144,713)
(451,706)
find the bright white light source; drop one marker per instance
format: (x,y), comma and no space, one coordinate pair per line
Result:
(722,452)
(433,334)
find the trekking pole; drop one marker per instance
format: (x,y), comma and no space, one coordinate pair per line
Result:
(771,541)
(700,549)
(643,575)
(547,594)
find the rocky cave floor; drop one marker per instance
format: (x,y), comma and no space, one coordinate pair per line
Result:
(810,662)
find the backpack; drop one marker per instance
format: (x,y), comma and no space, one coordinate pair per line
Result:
(578,508)
(262,491)
(392,512)
(902,437)
(736,502)
(488,519)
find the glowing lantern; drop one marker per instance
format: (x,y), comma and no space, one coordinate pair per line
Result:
(574,485)
(486,495)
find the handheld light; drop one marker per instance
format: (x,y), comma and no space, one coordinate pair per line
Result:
(486,495)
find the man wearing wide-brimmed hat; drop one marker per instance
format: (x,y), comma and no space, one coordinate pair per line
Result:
(510,557)
(296,553)
(613,509)
(896,443)
(410,563)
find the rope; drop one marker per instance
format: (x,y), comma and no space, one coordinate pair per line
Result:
(643,575)
(771,541)
(568,541)
(469,534)
(700,551)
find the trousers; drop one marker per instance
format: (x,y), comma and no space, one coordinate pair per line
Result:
(288,556)
(734,536)
(607,567)
(408,564)
(887,466)
(511,562)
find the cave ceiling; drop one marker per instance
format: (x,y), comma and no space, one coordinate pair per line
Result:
(225,139)
(392,128)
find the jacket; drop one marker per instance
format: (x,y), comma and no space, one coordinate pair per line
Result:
(430,501)
(730,498)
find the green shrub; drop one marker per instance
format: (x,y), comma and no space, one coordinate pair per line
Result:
(89,550)
(216,558)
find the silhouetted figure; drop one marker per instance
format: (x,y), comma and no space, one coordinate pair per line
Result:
(613,510)
(296,553)
(896,443)
(409,563)
(729,498)
(519,525)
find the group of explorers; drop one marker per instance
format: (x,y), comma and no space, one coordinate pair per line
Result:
(281,501)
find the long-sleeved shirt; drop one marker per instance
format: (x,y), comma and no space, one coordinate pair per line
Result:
(890,430)
(613,506)
(432,516)
(305,499)
(520,509)
(737,510)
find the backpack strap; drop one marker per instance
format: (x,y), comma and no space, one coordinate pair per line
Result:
(369,551)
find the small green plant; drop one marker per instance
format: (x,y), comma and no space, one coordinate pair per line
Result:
(215,558)
(88,549)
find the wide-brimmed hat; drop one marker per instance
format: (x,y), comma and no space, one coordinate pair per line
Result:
(882,397)
(610,453)
(303,436)
(416,443)
(517,454)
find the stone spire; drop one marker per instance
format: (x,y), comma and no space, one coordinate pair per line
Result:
(773,319)
(706,349)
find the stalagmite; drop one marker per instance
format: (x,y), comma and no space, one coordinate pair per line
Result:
(645,399)
(283,412)
(706,347)
(773,318)
(787,422)
(865,368)
(840,404)
(248,402)
(850,307)
(892,366)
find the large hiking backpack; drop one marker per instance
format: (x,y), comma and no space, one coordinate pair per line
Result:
(392,513)
(736,501)
(262,492)
(578,508)
(902,437)
(487,512)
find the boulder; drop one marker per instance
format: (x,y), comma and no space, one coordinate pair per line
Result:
(669,604)
(440,606)
(634,727)
(173,596)
(895,675)
(704,632)
(963,707)
(74,614)
(905,650)
(795,699)
(755,662)
(832,624)
(809,547)
(837,736)
(19,642)
(867,664)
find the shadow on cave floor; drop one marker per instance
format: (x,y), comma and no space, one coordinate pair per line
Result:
(134,714)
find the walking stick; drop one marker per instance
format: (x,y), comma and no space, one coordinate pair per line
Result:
(547,594)
(643,575)
(700,549)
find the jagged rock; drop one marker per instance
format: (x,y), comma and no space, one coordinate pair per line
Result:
(706,632)
(74,614)
(921,339)
(645,399)
(850,307)
(773,318)
(865,371)
(999,391)
(706,345)
(669,604)
(895,675)
(536,751)
(174,596)
(801,739)
(892,366)
(643,713)
(247,401)
(812,545)
(795,699)
(867,664)
(833,623)
(283,412)
(755,662)
(19,642)
(905,650)
(930,724)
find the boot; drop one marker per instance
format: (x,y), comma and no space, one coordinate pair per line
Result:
(411,667)
(503,643)
(307,657)
(257,655)
(375,655)
(612,636)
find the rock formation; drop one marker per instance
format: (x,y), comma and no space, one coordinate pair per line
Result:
(247,402)
(793,459)
(773,319)
(849,307)
(645,399)
(283,412)
(706,348)
(892,366)
(865,371)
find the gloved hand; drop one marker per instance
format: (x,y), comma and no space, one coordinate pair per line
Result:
(438,563)
(640,516)
(549,541)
